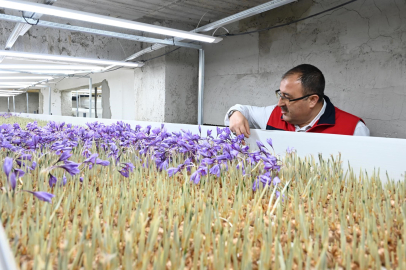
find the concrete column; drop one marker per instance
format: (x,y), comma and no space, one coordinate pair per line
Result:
(171,82)
(14,104)
(201,88)
(77,104)
(49,100)
(26,93)
(95,102)
(90,97)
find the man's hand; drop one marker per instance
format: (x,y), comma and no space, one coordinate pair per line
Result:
(239,124)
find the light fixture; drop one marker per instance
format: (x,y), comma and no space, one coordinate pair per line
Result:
(27,78)
(16,83)
(50,72)
(7,72)
(48,67)
(8,95)
(10,91)
(104,20)
(67,58)
(13,87)
(14,35)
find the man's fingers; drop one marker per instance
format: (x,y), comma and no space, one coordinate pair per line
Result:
(247,128)
(243,131)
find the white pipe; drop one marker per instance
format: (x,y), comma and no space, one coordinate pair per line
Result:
(26,93)
(8,104)
(201,88)
(14,104)
(90,97)
(49,109)
(77,104)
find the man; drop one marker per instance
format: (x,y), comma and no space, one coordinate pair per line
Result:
(302,107)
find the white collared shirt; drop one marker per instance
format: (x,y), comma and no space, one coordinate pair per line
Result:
(258,118)
(314,121)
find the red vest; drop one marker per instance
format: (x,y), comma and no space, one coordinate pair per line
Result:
(333,121)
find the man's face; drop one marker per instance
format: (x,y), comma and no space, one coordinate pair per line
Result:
(295,112)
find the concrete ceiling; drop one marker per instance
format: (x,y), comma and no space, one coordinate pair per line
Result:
(184,11)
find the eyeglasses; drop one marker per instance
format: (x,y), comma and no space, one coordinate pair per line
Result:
(280,95)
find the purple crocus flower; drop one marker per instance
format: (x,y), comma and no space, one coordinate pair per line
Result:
(52,180)
(91,159)
(172,171)
(102,162)
(13,181)
(260,144)
(255,185)
(195,177)
(33,165)
(19,173)
(215,170)
(81,179)
(7,165)
(64,156)
(124,173)
(41,195)
(276,180)
(25,157)
(64,180)
(269,141)
(70,167)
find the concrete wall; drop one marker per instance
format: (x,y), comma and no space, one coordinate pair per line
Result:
(66,103)
(121,83)
(166,87)
(149,85)
(56,106)
(360,49)
(21,103)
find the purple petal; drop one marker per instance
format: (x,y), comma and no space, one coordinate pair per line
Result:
(70,167)
(260,144)
(102,162)
(41,195)
(19,173)
(215,170)
(269,141)
(7,165)
(172,171)
(52,180)
(276,180)
(64,180)
(25,157)
(64,156)
(195,177)
(91,159)
(33,165)
(13,181)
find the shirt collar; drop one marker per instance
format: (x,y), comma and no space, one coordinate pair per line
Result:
(314,121)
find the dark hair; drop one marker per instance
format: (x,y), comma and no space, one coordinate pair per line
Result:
(312,79)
